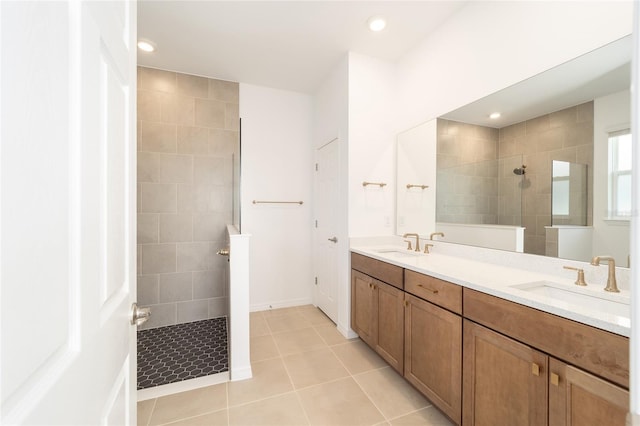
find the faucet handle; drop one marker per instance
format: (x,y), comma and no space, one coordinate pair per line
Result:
(580,280)
(426,248)
(409,246)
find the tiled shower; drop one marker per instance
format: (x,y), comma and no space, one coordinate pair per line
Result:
(188,133)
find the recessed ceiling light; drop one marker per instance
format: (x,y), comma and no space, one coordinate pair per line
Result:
(146,46)
(494,115)
(376,23)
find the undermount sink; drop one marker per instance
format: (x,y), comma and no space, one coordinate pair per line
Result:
(610,303)
(397,252)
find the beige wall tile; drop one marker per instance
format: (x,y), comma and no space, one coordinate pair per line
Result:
(161,315)
(176,228)
(185,198)
(157,198)
(222,142)
(210,113)
(194,310)
(194,257)
(158,258)
(193,86)
(209,171)
(157,80)
(176,168)
(537,125)
(193,140)
(158,137)
(209,227)
(208,284)
(147,228)
(207,198)
(585,112)
(218,307)
(149,103)
(148,167)
(232,116)
(175,288)
(564,118)
(148,289)
(188,404)
(579,134)
(226,91)
(178,109)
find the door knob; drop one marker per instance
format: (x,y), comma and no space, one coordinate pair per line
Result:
(334,239)
(223,252)
(139,315)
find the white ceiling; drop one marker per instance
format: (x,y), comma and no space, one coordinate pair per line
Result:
(286,45)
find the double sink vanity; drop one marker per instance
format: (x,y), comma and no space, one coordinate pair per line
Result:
(490,342)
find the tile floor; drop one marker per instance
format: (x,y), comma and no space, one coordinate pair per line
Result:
(304,373)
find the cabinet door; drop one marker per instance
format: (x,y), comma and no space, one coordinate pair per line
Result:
(364,318)
(577,398)
(390,338)
(505,382)
(433,354)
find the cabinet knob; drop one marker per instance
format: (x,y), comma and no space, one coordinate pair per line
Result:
(555,379)
(535,369)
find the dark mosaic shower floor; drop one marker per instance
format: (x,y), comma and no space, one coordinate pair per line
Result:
(181,352)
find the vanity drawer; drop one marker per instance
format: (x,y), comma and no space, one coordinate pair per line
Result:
(439,292)
(385,272)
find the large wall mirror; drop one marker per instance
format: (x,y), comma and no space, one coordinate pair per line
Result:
(547,174)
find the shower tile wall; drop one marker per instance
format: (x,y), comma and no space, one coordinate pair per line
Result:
(565,135)
(467,173)
(188,130)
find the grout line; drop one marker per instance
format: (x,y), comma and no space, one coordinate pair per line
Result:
(155,401)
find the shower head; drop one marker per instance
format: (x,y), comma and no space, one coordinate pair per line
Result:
(519,170)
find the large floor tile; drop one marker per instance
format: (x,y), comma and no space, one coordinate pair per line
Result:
(189,404)
(258,325)
(219,418)
(314,367)
(296,341)
(330,334)
(280,410)
(269,379)
(341,402)
(392,394)
(314,315)
(287,322)
(263,347)
(358,357)
(429,416)
(144,411)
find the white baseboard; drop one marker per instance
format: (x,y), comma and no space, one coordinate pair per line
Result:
(243,373)
(281,304)
(346,331)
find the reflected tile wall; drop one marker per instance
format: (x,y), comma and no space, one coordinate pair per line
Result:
(188,130)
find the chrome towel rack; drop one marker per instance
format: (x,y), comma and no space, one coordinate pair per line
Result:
(277,202)
(410,185)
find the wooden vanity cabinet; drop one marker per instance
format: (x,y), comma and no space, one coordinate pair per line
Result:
(433,354)
(505,382)
(577,398)
(377,309)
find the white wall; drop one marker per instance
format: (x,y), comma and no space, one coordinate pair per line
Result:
(610,113)
(491,45)
(276,165)
(331,120)
(372,135)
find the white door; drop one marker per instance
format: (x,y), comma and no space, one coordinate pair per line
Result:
(326,241)
(67,197)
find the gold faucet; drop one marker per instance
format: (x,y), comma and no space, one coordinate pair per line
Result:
(612,286)
(433,234)
(417,240)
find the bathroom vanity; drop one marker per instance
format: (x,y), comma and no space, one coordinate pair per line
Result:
(481,342)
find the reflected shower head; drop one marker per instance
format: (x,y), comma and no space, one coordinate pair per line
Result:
(519,170)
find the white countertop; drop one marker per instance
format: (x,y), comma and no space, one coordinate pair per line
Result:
(497,280)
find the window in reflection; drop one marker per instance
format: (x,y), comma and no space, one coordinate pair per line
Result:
(620,175)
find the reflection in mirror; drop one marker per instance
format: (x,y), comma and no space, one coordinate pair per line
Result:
(496,177)
(568,193)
